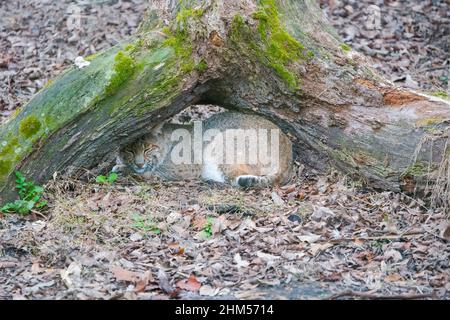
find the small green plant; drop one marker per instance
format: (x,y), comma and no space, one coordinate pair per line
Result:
(145,225)
(345,47)
(380,242)
(30,197)
(110,179)
(207,230)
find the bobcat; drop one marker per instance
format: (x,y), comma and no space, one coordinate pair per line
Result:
(241,149)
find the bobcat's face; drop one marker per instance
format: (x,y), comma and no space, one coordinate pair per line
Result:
(143,155)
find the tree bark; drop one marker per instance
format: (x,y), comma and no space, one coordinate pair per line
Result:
(276,58)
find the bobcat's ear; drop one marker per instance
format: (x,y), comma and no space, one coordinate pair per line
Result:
(157,130)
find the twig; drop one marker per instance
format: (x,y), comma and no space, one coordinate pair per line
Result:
(36,212)
(395,236)
(350,293)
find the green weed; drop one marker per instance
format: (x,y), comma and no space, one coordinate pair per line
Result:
(145,224)
(207,230)
(30,197)
(110,179)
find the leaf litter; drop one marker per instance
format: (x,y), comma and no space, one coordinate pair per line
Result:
(349,239)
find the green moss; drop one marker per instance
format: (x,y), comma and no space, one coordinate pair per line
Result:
(440,94)
(29,126)
(91,57)
(345,47)
(417,169)
(202,66)
(279,49)
(237,25)
(129,47)
(124,68)
(178,39)
(48,84)
(134,47)
(163,86)
(428,122)
(5,167)
(186,13)
(434,131)
(9,149)
(15,114)
(8,155)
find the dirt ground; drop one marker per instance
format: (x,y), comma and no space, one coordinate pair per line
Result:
(321,236)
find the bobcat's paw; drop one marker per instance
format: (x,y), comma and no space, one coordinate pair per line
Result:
(119,168)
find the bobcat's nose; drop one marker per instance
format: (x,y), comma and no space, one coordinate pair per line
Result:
(140,165)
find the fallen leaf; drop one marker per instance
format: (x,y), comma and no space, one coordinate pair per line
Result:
(176,249)
(239,262)
(268,258)
(145,279)
(322,214)
(163,281)
(136,237)
(311,238)
(208,291)
(288,189)
(71,274)
(38,226)
(445,232)
(393,277)
(122,274)
(191,284)
(317,248)
(220,224)
(277,199)
(393,254)
(199,223)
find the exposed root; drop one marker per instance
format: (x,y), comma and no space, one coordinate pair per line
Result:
(437,174)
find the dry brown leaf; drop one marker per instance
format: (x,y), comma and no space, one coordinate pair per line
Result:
(277,199)
(208,291)
(317,248)
(122,274)
(240,263)
(199,223)
(220,224)
(176,249)
(393,277)
(288,189)
(191,284)
(145,279)
(445,232)
(311,238)
(164,283)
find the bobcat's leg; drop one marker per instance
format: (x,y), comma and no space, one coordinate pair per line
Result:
(245,180)
(212,172)
(249,181)
(120,167)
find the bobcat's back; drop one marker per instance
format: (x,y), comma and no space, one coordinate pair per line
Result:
(241,149)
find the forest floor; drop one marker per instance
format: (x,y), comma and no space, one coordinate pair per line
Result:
(322,236)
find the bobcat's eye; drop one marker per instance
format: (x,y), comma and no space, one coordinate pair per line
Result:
(150,150)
